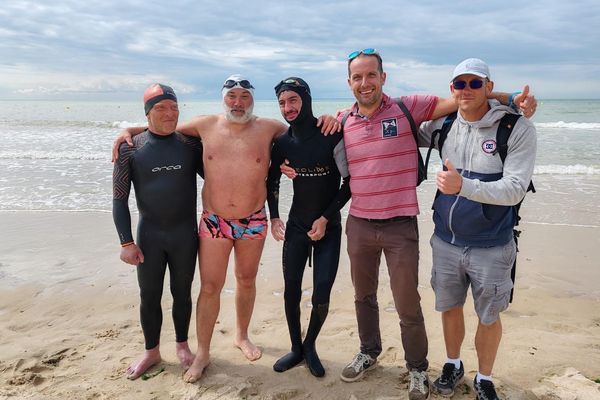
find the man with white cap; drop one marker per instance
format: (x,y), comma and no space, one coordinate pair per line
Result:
(474,217)
(237,147)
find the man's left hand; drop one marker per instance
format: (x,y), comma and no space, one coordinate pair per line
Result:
(449,181)
(318,229)
(526,102)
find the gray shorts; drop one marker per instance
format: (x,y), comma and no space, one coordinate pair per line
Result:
(486,269)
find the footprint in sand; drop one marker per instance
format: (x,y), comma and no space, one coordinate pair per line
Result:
(54,358)
(390,355)
(251,388)
(25,379)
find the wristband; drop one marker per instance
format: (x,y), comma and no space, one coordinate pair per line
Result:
(127,244)
(511,98)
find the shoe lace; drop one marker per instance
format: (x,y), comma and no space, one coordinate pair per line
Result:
(488,390)
(447,373)
(359,361)
(417,380)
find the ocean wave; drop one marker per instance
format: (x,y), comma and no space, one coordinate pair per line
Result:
(75,124)
(577,169)
(52,155)
(569,125)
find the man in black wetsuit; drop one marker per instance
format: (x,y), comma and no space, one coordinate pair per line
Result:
(162,164)
(313,224)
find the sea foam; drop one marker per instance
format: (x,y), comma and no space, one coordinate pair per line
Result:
(569,125)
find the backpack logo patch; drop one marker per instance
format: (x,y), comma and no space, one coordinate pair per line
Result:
(389,128)
(489,146)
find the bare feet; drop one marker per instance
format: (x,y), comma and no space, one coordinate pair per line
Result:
(185,355)
(251,352)
(195,371)
(151,357)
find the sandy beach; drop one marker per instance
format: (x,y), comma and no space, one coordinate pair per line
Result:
(69,322)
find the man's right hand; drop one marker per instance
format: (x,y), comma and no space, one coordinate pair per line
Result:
(132,254)
(277,229)
(124,136)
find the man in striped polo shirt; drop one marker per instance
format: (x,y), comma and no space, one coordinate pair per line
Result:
(382,161)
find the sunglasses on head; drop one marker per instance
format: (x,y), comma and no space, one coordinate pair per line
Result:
(357,53)
(244,83)
(474,84)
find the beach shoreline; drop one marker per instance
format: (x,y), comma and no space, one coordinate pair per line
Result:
(69,321)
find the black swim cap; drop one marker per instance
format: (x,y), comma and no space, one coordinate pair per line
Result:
(155,93)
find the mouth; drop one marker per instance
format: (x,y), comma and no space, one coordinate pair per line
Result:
(366,92)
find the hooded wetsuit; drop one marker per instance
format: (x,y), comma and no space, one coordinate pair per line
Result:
(317,193)
(163,172)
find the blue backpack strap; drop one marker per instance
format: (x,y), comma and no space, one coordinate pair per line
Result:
(422,167)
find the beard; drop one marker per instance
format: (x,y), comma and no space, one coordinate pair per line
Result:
(238,119)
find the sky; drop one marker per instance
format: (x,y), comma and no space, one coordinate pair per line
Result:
(112,50)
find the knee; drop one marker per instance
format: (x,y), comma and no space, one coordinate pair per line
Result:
(246,281)
(211,287)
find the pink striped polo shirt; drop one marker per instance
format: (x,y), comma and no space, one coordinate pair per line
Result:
(382,158)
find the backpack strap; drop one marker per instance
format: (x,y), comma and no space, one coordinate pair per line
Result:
(421,167)
(505,128)
(345,118)
(443,134)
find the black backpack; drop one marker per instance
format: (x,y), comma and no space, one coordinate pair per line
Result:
(505,128)
(422,167)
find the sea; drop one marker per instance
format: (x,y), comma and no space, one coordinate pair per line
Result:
(55,156)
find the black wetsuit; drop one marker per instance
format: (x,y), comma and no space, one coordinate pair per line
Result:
(163,171)
(317,193)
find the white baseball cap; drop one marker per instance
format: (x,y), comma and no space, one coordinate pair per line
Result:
(473,66)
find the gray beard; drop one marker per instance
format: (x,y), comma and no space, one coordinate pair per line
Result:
(239,120)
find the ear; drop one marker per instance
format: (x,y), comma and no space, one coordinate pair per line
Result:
(489,87)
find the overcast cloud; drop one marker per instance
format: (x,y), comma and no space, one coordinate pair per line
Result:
(112,50)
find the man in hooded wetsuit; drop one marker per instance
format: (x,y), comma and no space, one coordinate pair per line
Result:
(162,165)
(313,224)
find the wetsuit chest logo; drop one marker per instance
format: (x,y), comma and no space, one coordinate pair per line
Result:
(489,146)
(389,128)
(166,168)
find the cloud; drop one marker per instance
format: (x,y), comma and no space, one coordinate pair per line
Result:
(69,47)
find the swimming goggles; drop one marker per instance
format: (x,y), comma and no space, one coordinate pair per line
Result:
(473,84)
(291,82)
(244,84)
(357,53)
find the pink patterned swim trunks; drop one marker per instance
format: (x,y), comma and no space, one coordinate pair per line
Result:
(253,227)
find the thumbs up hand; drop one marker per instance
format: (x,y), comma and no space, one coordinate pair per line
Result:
(449,181)
(526,102)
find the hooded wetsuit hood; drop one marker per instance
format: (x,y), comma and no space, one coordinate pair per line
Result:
(303,125)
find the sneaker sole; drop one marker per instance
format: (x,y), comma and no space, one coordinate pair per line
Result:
(360,374)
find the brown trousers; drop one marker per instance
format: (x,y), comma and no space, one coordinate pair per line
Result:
(399,241)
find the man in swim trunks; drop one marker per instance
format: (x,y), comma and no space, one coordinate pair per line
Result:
(237,147)
(162,165)
(313,226)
